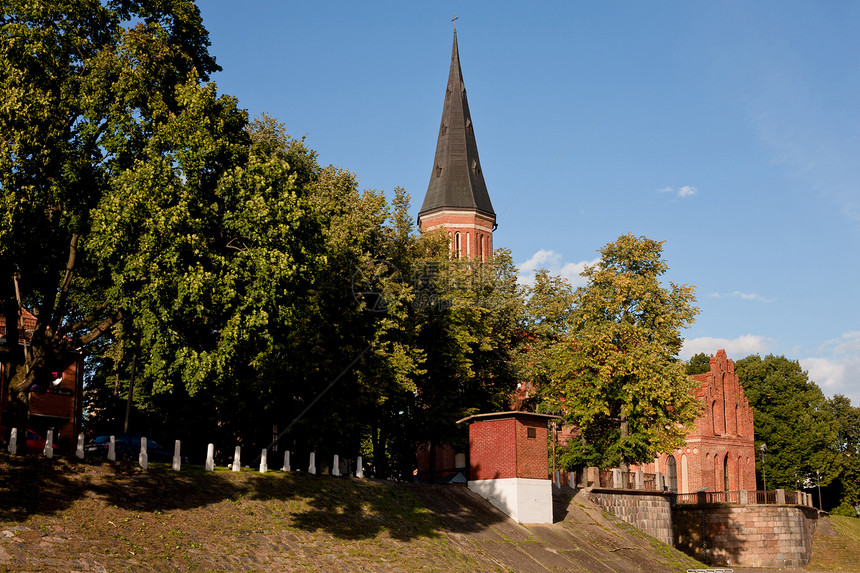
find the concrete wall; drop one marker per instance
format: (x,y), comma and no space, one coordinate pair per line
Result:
(525,500)
(648,511)
(746,535)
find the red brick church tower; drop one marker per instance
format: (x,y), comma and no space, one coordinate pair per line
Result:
(457,199)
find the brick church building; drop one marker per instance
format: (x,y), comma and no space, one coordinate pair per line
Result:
(719,454)
(720,450)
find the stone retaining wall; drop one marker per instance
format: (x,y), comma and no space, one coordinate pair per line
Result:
(648,511)
(746,535)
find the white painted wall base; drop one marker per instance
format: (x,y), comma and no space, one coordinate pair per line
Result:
(525,500)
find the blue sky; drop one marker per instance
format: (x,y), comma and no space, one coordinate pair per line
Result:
(729,130)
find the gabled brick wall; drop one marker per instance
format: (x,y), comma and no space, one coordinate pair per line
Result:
(720,446)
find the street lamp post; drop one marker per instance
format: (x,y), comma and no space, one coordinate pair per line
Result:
(818,475)
(763,449)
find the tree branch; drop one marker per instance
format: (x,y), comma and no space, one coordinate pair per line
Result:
(67,283)
(103,327)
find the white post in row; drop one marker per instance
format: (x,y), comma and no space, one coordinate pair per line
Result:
(312,467)
(264,467)
(13,441)
(359,470)
(79,452)
(286,467)
(237,455)
(49,444)
(177,460)
(143,457)
(112,449)
(335,466)
(210,458)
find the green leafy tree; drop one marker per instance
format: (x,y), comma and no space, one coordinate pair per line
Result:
(468,315)
(792,418)
(90,89)
(616,375)
(699,364)
(847,484)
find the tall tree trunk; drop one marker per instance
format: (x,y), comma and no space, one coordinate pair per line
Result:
(14,372)
(130,394)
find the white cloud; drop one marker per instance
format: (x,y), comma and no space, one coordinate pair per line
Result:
(837,367)
(741,295)
(682,192)
(552,261)
(735,347)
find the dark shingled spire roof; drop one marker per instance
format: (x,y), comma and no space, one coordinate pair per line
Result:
(456,181)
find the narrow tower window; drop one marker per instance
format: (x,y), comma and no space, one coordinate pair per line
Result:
(457,245)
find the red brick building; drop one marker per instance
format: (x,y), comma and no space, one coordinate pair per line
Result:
(508,463)
(720,450)
(56,402)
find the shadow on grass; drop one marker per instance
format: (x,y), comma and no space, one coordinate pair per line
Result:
(345,508)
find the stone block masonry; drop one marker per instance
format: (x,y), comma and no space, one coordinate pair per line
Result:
(746,535)
(649,512)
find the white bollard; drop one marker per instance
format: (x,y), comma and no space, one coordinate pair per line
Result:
(80,450)
(210,458)
(49,444)
(112,449)
(13,441)
(312,467)
(177,460)
(286,467)
(264,467)
(335,466)
(359,470)
(143,457)
(237,455)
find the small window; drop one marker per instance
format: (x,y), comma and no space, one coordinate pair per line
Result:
(531,433)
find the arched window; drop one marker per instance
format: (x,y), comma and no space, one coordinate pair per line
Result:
(468,246)
(457,250)
(672,471)
(726,474)
(482,247)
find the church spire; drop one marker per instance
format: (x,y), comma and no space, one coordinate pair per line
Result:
(456,182)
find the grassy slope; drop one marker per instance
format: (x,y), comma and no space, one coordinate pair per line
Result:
(837,545)
(59,515)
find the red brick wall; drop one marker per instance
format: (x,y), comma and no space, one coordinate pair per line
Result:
(532,452)
(501,449)
(473,228)
(492,450)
